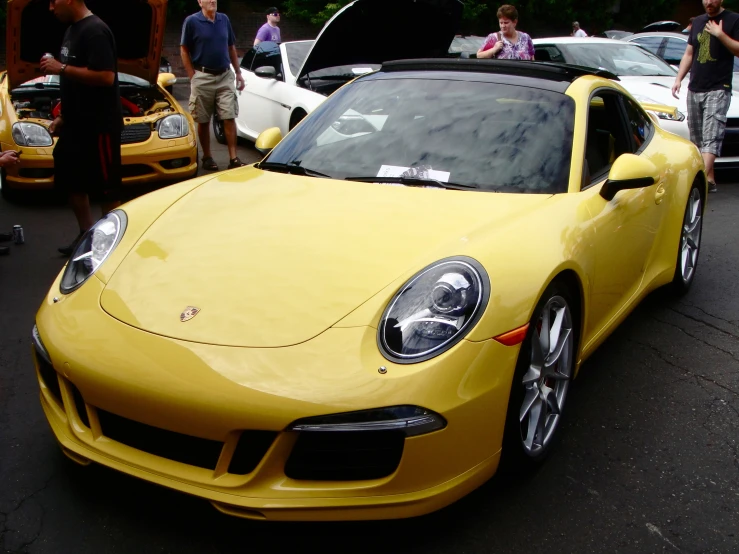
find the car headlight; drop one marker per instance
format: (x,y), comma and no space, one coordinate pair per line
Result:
(679,116)
(434,310)
(173,126)
(31,134)
(92,250)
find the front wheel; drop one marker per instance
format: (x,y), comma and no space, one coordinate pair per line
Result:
(690,243)
(218,130)
(544,371)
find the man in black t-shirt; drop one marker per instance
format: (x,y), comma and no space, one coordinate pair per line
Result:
(712,44)
(87,156)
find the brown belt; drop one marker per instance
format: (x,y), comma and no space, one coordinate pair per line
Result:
(210,71)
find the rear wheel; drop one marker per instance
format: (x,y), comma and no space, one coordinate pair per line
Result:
(690,243)
(541,381)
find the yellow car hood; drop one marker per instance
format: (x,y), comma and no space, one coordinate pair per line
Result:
(273,260)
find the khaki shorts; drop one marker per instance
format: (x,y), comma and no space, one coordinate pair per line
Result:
(209,93)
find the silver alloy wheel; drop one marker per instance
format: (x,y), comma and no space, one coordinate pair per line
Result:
(548,377)
(690,238)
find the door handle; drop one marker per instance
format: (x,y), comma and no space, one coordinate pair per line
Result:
(659,194)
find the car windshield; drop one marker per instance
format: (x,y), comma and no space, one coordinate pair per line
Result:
(624,59)
(489,136)
(296,54)
(466,44)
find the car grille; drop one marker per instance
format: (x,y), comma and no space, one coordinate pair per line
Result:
(138,132)
(345,456)
(49,377)
(36,172)
(135,170)
(186,449)
(160,442)
(250,450)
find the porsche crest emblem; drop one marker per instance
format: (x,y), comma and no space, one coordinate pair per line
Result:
(189,313)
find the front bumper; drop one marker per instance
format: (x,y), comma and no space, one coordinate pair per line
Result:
(142,163)
(112,368)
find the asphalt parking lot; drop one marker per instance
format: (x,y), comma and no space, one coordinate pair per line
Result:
(649,460)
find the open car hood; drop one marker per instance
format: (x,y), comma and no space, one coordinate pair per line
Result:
(138,27)
(367,32)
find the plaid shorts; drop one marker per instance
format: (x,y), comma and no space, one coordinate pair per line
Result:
(707,119)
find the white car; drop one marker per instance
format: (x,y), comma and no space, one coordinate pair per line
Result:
(645,75)
(670,47)
(286,81)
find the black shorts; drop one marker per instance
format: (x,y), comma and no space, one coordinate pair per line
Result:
(90,164)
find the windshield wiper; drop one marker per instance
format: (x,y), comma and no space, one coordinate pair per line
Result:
(414,182)
(291,168)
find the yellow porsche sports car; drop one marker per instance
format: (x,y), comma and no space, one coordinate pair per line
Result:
(158,142)
(389,305)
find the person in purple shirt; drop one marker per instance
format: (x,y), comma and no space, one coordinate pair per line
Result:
(269,32)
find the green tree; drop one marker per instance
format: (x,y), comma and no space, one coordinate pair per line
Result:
(539,17)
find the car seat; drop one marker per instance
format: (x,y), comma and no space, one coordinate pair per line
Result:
(600,149)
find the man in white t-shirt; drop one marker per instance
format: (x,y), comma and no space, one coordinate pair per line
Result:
(577,31)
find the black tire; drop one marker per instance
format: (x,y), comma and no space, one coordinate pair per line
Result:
(689,244)
(218,130)
(521,454)
(296,117)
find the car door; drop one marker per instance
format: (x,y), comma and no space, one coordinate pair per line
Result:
(627,225)
(264,101)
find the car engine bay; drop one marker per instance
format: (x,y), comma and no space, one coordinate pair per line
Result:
(40,102)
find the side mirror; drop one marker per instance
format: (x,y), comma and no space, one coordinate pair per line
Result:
(629,171)
(266,72)
(166,79)
(268,139)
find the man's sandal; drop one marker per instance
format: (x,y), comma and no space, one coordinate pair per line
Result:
(210,164)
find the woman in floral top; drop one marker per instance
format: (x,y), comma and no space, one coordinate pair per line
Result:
(509,44)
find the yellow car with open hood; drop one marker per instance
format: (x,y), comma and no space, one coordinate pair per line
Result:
(389,306)
(158,143)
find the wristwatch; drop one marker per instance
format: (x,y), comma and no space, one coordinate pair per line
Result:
(64,66)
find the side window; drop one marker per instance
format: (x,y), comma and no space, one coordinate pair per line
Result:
(548,53)
(247,59)
(606,136)
(640,125)
(268,54)
(649,43)
(674,50)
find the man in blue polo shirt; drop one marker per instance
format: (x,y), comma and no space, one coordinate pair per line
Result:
(208,50)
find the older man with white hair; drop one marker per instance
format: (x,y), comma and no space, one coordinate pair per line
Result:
(577,31)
